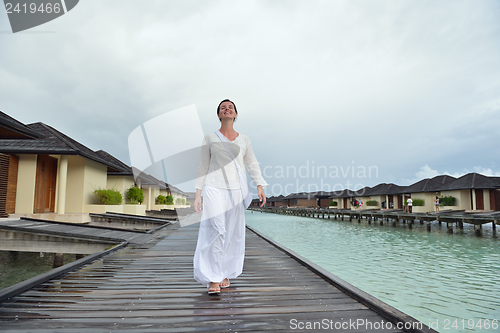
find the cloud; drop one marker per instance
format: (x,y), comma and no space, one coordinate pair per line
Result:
(392,84)
(426,172)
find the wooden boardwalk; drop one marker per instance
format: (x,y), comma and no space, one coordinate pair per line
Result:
(75,230)
(150,288)
(451,218)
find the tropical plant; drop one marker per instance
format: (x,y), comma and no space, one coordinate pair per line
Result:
(372,203)
(161,200)
(108,196)
(170,199)
(418,202)
(135,194)
(333,203)
(447,201)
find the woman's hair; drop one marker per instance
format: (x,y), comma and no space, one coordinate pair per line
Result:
(226,100)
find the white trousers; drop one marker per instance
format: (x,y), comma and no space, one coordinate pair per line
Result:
(220,250)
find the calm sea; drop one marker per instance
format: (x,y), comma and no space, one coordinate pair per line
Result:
(450,281)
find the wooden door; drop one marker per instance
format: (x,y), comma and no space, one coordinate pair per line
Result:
(479,199)
(45,184)
(494,199)
(345,203)
(497,199)
(4,177)
(400,201)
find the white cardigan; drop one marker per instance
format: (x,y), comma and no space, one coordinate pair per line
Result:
(215,162)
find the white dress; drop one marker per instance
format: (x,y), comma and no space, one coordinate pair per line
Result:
(220,250)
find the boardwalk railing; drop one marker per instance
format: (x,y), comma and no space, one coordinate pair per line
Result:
(453,217)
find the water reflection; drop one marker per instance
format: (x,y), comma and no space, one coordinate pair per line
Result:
(19,266)
(428,275)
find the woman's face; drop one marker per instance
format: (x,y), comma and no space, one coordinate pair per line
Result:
(226,110)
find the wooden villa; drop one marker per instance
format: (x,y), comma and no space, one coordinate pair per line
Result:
(43,171)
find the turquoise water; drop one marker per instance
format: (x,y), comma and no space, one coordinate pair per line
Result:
(19,266)
(444,280)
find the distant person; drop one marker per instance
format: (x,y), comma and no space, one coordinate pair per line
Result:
(409,202)
(220,249)
(437,204)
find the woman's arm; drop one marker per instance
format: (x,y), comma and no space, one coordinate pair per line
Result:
(201,172)
(254,170)
(197,201)
(262,195)
(253,166)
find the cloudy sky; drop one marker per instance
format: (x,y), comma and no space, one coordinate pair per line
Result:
(395,91)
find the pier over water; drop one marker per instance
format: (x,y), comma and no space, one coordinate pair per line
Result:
(150,288)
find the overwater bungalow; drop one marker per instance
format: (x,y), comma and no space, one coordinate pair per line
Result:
(46,171)
(43,171)
(301,199)
(345,197)
(153,187)
(474,191)
(275,201)
(471,192)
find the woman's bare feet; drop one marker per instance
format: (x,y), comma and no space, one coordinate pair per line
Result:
(225,283)
(214,288)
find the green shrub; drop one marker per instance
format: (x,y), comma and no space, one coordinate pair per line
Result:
(183,201)
(447,201)
(161,200)
(170,199)
(178,201)
(108,196)
(372,203)
(135,194)
(188,203)
(418,202)
(333,203)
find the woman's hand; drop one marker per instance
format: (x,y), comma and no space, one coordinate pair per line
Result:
(262,195)
(197,201)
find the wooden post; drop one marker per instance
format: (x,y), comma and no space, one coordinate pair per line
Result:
(494,224)
(428,225)
(58,260)
(478,229)
(450,227)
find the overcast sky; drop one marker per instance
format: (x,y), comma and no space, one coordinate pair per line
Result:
(397,90)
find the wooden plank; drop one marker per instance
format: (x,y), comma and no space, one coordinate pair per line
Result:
(151,288)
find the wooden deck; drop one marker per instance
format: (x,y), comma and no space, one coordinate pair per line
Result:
(451,218)
(150,288)
(83,231)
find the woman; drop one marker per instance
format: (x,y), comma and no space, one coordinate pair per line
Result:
(221,240)
(436,201)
